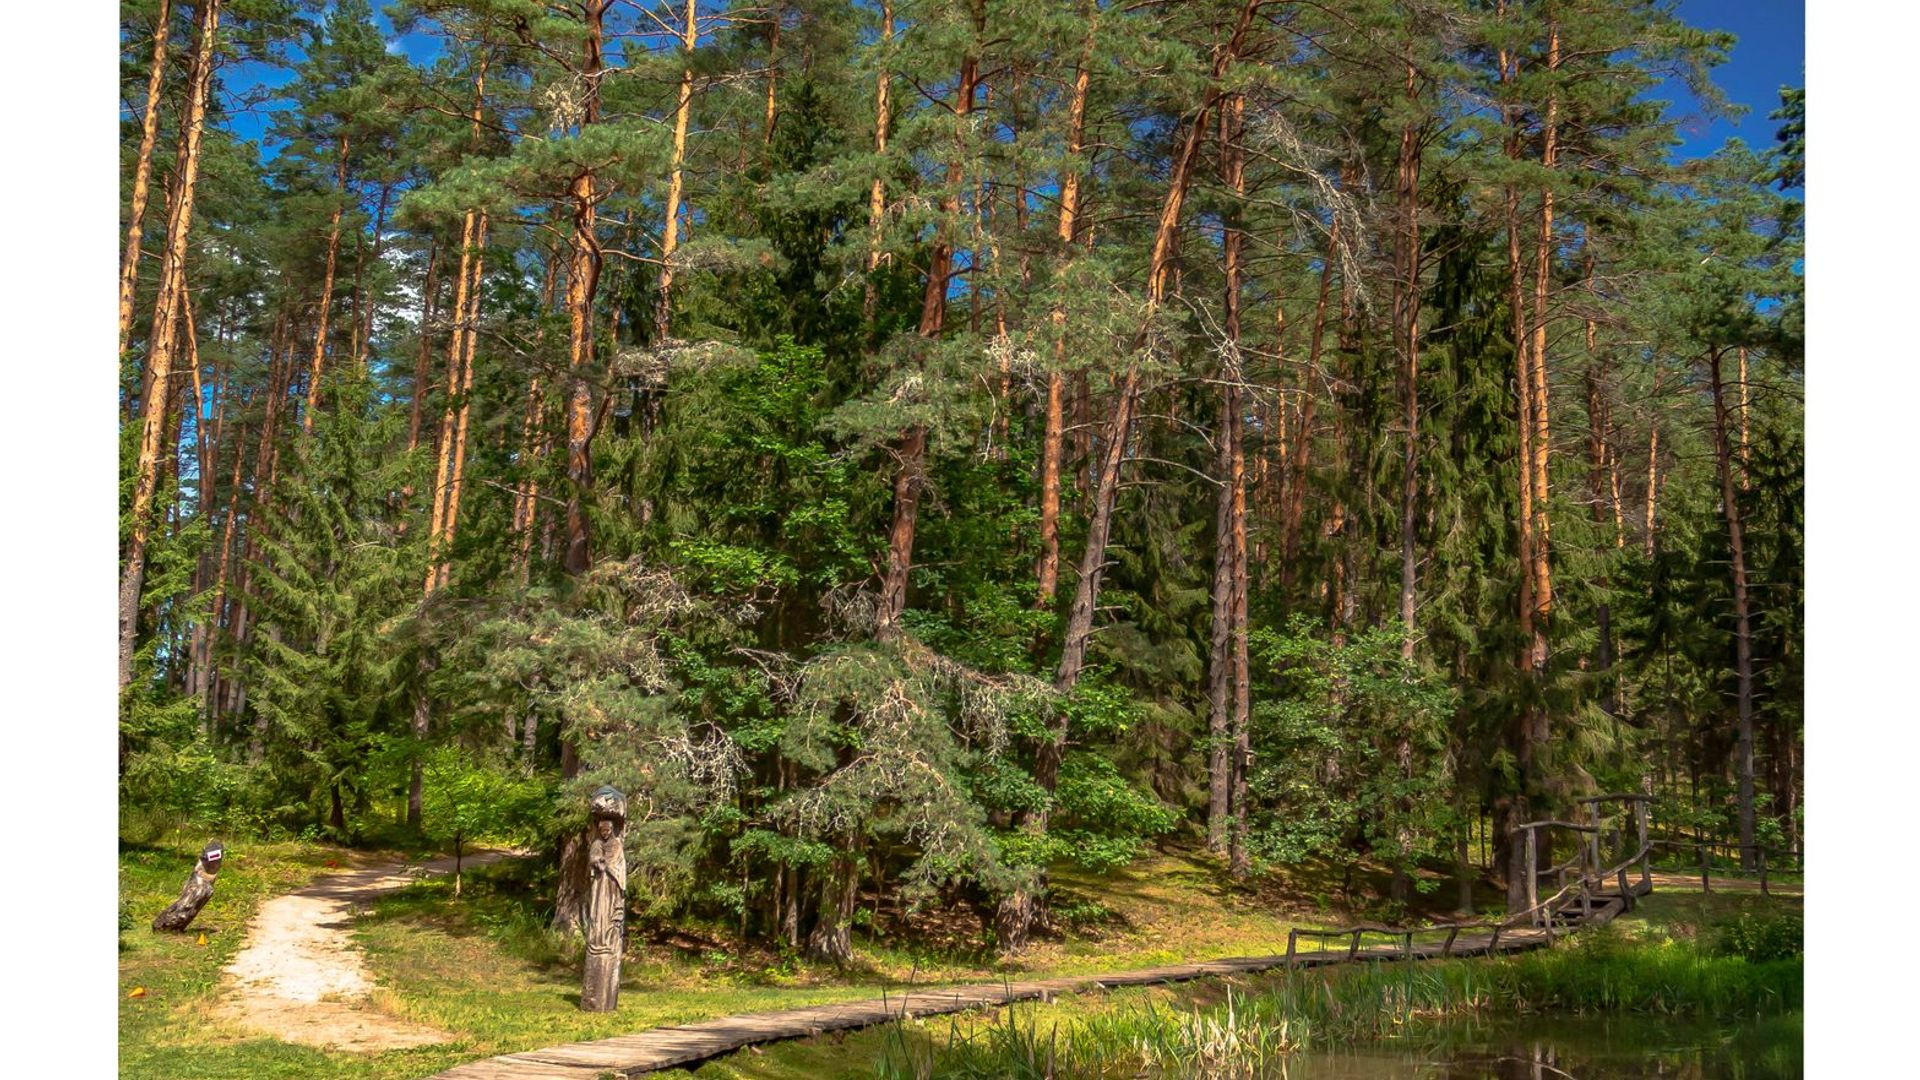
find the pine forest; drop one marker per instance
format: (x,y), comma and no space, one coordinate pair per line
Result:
(917,450)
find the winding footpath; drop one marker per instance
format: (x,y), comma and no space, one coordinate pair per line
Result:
(301,979)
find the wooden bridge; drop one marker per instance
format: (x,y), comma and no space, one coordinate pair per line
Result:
(1607,871)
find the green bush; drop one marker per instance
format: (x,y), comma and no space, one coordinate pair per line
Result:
(1760,938)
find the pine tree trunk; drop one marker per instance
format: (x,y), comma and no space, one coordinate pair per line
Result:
(162,343)
(670,237)
(1233,240)
(779,16)
(1220,642)
(877,200)
(1053,440)
(1746,444)
(1542,433)
(1407,322)
(1222,761)
(463,394)
(1298,458)
(1239,857)
(142,173)
(1598,484)
(1743,629)
(453,439)
(831,939)
(1653,464)
(416,409)
(362,304)
(583,280)
(1016,914)
(909,475)
(326,297)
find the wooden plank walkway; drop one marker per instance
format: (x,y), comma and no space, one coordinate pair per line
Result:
(669,1047)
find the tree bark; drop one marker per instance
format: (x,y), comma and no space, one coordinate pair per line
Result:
(1053,439)
(194,894)
(670,236)
(1407,323)
(1229,512)
(877,199)
(1015,916)
(142,173)
(909,475)
(831,938)
(163,341)
(1743,630)
(1298,457)
(416,409)
(326,297)
(583,279)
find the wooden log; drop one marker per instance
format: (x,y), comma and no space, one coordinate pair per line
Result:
(1353,950)
(1446,950)
(1292,937)
(195,893)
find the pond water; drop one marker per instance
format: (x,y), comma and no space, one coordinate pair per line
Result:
(1551,1049)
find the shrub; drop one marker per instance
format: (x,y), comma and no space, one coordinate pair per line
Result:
(1760,938)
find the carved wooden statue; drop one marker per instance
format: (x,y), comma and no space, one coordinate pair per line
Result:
(195,893)
(606,914)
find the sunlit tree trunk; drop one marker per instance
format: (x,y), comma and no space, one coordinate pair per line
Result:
(1653,464)
(670,236)
(877,199)
(773,72)
(142,173)
(583,281)
(326,297)
(1014,919)
(1053,438)
(163,341)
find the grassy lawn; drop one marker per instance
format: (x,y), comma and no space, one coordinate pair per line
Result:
(1660,917)
(485,968)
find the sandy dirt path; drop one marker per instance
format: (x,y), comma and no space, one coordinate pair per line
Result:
(300,978)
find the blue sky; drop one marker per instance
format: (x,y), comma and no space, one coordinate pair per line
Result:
(1771,53)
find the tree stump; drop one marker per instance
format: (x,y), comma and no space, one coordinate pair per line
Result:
(195,893)
(606,907)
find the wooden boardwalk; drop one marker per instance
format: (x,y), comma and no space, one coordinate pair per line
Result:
(686,1044)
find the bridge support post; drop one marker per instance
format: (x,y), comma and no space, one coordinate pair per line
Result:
(1762,853)
(1706,874)
(1293,936)
(1646,849)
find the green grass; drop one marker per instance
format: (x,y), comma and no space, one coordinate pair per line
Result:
(1659,962)
(485,967)
(181,976)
